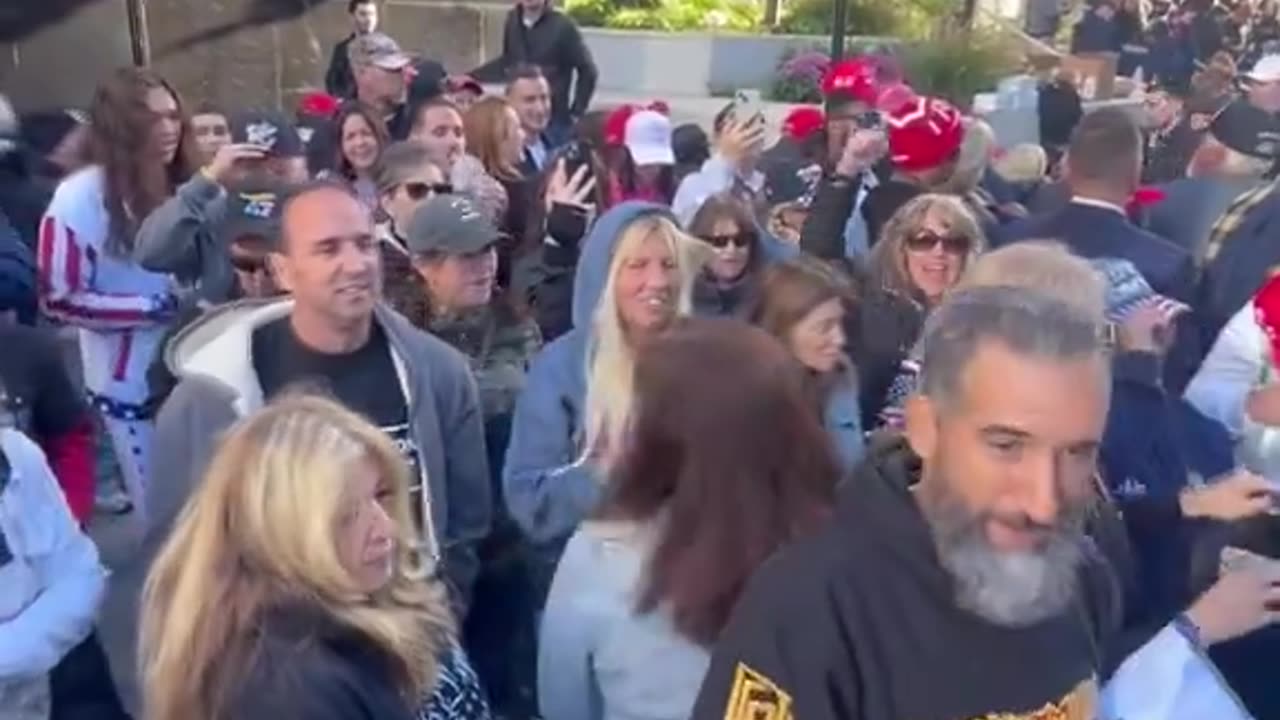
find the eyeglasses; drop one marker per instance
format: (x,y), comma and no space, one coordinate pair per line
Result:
(419,190)
(720,242)
(928,240)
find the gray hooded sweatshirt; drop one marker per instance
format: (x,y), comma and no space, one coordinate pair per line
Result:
(218,385)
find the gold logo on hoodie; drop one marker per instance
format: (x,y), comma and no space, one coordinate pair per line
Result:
(755,697)
(1080,704)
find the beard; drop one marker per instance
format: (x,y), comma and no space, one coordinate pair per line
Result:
(1008,588)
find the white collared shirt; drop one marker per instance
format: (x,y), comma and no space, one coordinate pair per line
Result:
(1094,202)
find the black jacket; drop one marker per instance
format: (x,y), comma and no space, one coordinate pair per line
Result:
(881,333)
(1169,154)
(338,80)
(555,45)
(858,622)
(306,665)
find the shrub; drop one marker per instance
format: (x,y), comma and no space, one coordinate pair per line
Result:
(907,19)
(958,66)
(799,76)
(666,14)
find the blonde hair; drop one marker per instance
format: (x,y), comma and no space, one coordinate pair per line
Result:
(888,261)
(610,358)
(1024,162)
(258,534)
(1044,266)
(486,126)
(972,161)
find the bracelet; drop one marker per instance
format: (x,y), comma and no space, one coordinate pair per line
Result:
(1188,629)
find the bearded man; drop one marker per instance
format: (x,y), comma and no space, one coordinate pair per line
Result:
(955,579)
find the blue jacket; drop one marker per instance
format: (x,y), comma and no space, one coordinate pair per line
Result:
(549,489)
(843,420)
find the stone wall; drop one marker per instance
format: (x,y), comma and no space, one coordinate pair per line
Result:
(234,52)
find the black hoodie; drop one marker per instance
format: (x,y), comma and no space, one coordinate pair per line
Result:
(858,623)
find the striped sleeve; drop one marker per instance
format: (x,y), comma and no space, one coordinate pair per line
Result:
(66,285)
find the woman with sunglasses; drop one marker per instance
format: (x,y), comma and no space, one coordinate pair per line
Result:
(731,276)
(924,249)
(405,177)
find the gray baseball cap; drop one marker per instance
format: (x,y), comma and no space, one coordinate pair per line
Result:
(450,224)
(378,49)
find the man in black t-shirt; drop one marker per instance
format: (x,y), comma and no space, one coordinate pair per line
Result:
(335,338)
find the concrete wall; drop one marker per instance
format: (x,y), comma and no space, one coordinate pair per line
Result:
(694,63)
(59,63)
(241,52)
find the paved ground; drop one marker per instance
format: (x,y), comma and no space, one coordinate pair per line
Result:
(117,538)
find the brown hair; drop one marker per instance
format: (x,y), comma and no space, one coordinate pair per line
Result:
(119,133)
(720,414)
(788,292)
(348,110)
(486,126)
(888,262)
(726,206)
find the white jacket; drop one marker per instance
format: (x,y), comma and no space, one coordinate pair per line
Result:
(1239,363)
(51,584)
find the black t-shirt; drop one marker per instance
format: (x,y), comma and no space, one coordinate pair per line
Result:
(37,395)
(364,381)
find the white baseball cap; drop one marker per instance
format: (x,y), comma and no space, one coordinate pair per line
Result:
(648,138)
(1265,70)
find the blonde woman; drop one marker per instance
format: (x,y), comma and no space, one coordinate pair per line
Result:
(635,276)
(291,586)
(923,250)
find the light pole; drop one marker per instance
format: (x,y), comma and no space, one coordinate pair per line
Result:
(839,12)
(139,38)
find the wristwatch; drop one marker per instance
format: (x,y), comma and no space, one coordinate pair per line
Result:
(1188,629)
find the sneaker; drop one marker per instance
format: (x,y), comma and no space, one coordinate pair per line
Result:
(112,501)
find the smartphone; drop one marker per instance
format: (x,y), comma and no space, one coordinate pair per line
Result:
(870,120)
(577,154)
(747,106)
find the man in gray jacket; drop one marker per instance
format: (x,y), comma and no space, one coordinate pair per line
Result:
(332,336)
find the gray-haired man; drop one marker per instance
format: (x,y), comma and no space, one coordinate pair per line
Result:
(954,580)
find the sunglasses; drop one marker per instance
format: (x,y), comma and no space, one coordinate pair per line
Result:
(926,241)
(248,264)
(419,190)
(720,242)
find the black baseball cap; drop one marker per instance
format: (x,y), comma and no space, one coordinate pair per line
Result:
(450,224)
(254,208)
(270,130)
(1247,130)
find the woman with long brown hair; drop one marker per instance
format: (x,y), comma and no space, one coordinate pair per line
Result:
(362,136)
(803,302)
(142,149)
(291,585)
(723,464)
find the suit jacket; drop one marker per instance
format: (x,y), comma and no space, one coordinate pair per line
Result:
(1095,232)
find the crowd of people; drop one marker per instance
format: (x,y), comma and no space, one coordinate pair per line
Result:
(435,402)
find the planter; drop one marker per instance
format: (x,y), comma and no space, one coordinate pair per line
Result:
(665,64)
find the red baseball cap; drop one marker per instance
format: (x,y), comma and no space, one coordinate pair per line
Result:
(802,122)
(924,133)
(851,79)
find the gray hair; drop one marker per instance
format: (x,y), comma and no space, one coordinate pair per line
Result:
(399,161)
(1024,320)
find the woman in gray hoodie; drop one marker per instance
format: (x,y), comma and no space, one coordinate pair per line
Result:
(723,463)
